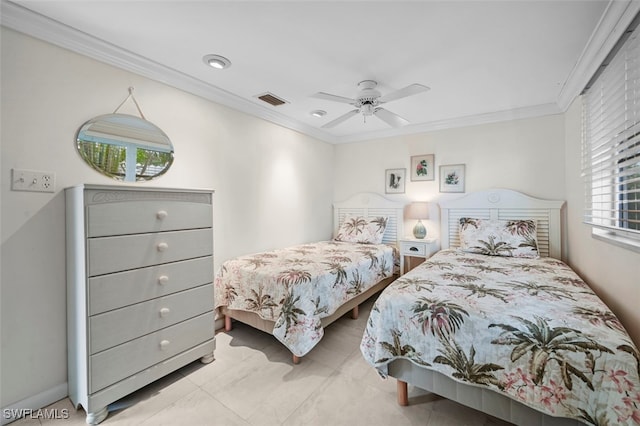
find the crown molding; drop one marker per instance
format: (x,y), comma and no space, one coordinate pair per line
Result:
(23,20)
(613,23)
(615,20)
(472,120)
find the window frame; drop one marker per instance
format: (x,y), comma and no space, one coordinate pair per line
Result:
(611,145)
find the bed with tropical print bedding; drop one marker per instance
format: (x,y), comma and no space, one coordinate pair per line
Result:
(526,327)
(297,286)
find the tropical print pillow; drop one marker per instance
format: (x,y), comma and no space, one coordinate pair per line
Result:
(359,229)
(509,238)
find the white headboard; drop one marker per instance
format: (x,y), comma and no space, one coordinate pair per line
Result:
(504,204)
(370,204)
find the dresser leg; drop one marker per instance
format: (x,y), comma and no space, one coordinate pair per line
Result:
(96,417)
(207,358)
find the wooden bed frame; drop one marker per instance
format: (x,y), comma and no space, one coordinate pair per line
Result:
(490,204)
(367,204)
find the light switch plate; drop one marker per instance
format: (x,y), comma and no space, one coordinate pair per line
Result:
(32,181)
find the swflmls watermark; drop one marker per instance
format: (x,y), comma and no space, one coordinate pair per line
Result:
(43,413)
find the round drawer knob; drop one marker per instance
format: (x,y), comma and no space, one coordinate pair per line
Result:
(163,279)
(162,214)
(164,312)
(164,344)
(163,246)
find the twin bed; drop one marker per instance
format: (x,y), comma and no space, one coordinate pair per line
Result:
(495,320)
(498,325)
(294,293)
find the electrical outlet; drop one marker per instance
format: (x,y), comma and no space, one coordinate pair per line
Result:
(31,180)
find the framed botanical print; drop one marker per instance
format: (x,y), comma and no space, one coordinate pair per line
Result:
(394,181)
(423,167)
(452,178)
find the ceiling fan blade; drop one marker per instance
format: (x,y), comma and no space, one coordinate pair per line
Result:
(412,89)
(340,119)
(335,98)
(390,118)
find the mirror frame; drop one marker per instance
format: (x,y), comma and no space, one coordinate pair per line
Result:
(113,144)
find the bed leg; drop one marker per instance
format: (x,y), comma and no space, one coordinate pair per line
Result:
(354,313)
(403,394)
(296,359)
(227,323)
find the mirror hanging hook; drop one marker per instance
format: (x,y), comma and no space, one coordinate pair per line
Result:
(134,101)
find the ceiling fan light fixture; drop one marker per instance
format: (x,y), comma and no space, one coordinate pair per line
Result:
(318,113)
(216,61)
(367,109)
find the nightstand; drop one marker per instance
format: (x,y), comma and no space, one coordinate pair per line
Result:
(411,247)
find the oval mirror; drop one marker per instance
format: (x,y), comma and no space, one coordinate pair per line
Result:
(125,147)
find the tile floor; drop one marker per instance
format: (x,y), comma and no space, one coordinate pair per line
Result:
(253,382)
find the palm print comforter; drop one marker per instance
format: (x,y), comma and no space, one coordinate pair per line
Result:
(298,286)
(528,328)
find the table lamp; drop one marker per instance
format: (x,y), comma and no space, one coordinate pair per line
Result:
(419,211)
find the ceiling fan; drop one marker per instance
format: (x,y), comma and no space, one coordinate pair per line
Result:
(368,100)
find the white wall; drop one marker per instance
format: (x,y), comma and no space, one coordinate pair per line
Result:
(612,272)
(274,187)
(526,155)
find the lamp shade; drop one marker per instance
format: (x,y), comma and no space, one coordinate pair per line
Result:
(418,210)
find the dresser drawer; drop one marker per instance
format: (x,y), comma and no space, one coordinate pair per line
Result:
(413,249)
(135,217)
(112,291)
(115,364)
(121,325)
(114,254)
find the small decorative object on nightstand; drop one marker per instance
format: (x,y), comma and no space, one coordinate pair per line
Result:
(419,211)
(423,248)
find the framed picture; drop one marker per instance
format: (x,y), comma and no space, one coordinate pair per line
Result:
(452,178)
(394,181)
(423,167)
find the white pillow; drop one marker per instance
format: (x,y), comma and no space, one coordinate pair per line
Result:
(359,229)
(510,238)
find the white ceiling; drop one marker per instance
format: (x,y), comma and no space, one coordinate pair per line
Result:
(483,60)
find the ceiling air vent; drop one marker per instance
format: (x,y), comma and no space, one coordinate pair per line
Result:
(271,99)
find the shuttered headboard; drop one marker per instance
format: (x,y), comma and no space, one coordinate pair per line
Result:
(370,204)
(504,204)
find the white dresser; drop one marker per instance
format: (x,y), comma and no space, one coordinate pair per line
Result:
(139,288)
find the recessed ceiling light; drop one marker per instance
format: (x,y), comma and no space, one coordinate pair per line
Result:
(216,61)
(318,113)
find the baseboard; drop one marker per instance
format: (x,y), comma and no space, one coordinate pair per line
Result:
(34,402)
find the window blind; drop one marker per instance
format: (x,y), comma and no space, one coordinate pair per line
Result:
(611,141)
